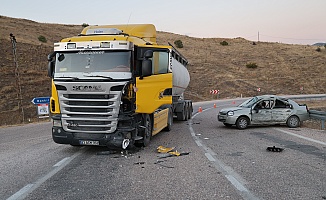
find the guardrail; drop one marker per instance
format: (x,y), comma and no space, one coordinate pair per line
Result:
(320,115)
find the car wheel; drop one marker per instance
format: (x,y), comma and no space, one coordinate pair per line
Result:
(227,125)
(242,122)
(293,122)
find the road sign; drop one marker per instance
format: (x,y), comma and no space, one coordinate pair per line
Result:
(43,109)
(41,100)
(214,91)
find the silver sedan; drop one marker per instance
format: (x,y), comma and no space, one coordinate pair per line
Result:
(264,110)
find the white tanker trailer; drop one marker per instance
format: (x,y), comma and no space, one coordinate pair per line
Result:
(181,78)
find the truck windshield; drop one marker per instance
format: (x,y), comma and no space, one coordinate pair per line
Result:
(93,61)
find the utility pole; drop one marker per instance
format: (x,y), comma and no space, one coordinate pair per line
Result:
(19,89)
(258,36)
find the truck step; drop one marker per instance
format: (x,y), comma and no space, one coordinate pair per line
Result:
(138,138)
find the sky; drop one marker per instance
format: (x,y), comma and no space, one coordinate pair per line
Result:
(284,21)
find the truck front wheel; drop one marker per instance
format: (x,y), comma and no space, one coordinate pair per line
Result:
(147,132)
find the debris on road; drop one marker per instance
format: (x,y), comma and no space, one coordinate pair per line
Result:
(274,149)
(159,162)
(162,149)
(139,163)
(167,152)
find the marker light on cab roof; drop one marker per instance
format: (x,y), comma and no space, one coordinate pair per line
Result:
(105,45)
(71,46)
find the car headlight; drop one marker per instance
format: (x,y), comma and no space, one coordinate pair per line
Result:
(57,123)
(230,113)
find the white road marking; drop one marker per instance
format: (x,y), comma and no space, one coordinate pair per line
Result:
(22,193)
(235,179)
(302,137)
(61,162)
(210,157)
(236,183)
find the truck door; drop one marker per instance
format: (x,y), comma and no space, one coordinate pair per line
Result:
(155,90)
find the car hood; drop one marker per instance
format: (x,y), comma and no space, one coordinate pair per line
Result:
(225,110)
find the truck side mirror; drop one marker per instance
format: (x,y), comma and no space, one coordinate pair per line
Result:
(51,64)
(51,68)
(148,54)
(146,69)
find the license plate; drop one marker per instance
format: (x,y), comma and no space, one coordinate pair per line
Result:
(89,142)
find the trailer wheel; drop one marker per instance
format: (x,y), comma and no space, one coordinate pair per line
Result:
(189,111)
(186,111)
(181,116)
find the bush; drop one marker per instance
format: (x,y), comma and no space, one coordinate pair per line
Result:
(224,43)
(251,65)
(325,46)
(318,49)
(41,38)
(85,25)
(178,43)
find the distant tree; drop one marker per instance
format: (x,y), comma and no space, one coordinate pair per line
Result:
(178,44)
(251,65)
(224,43)
(41,38)
(85,25)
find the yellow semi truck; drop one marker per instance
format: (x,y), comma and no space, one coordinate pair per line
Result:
(114,86)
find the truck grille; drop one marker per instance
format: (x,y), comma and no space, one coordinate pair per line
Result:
(90,113)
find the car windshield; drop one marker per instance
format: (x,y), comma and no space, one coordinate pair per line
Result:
(250,102)
(93,61)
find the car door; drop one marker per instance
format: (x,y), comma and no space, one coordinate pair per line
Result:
(262,113)
(281,111)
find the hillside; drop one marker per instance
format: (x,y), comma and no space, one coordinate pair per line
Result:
(282,68)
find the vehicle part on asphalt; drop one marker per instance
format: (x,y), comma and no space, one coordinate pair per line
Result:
(162,149)
(274,149)
(139,163)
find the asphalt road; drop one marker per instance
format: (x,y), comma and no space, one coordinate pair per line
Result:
(223,163)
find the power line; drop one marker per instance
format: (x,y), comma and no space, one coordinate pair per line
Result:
(290,38)
(19,90)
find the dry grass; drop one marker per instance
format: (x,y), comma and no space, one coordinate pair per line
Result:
(282,68)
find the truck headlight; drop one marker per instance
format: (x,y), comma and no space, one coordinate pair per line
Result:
(57,123)
(230,113)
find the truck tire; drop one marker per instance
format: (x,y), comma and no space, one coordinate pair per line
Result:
(189,111)
(147,132)
(180,116)
(170,121)
(186,110)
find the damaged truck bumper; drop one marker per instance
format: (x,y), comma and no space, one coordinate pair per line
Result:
(116,140)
